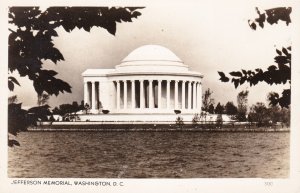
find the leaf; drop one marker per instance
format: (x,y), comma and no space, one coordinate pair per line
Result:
(10,85)
(252,25)
(14,80)
(223,78)
(236,82)
(278,52)
(237,73)
(136,14)
(242,81)
(285,51)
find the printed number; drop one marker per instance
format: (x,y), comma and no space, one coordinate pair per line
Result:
(268,183)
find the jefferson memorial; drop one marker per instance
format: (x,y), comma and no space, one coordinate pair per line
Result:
(150,84)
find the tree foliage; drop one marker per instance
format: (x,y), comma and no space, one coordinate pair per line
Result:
(219,109)
(264,116)
(242,101)
(211,109)
(65,110)
(271,16)
(274,74)
(230,108)
(20,119)
(207,100)
(30,44)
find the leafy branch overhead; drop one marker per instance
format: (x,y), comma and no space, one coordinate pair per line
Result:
(274,74)
(30,41)
(271,16)
(30,44)
(280,74)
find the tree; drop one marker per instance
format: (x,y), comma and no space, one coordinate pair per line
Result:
(56,111)
(211,109)
(242,101)
(275,74)
(20,119)
(207,100)
(259,114)
(286,116)
(275,113)
(30,44)
(219,109)
(230,108)
(75,107)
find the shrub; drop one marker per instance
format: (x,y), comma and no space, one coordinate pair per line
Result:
(179,121)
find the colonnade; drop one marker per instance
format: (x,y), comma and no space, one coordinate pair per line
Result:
(158,94)
(148,94)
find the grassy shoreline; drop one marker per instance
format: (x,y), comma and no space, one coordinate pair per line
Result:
(158,127)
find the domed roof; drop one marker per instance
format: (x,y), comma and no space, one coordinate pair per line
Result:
(151,58)
(151,53)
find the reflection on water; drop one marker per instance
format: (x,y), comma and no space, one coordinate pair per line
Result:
(150,155)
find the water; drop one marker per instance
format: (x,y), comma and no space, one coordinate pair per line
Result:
(150,155)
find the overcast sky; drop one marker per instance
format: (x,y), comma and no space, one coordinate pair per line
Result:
(209,36)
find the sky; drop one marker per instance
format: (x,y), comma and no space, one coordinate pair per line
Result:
(208,36)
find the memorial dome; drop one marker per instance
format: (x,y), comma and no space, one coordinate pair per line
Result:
(152,58)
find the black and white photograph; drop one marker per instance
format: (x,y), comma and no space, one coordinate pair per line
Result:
(104,95)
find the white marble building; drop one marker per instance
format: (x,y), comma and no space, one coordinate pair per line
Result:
(151,80)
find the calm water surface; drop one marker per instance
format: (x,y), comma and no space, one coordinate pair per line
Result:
(150,155)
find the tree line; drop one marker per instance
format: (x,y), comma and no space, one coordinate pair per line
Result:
(258,113)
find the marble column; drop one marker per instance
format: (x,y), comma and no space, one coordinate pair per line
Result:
(118,94)
(168,94)
(200,96)
(86,93)
(176,95)
(189,94)
(183,95)
(125,94)
(98,96)
(132,94)
(142,97)
(159,95)
(151,101)
(194,95)
(93,96)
